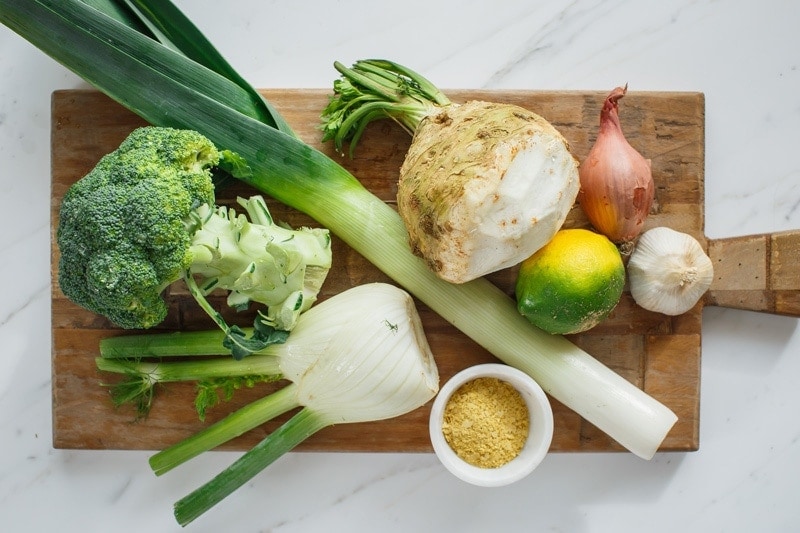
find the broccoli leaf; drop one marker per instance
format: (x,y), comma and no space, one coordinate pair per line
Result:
(234,164)
(264,334)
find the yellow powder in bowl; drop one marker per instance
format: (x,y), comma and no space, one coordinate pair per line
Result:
(486,422)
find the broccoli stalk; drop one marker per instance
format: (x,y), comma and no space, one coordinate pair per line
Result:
(258,261)
(145,217)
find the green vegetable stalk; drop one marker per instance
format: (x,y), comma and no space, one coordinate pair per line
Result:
(214,376)
(373,90)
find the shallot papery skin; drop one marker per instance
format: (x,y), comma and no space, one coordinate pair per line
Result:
(617,188)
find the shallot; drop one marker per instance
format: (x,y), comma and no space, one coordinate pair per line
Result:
(617,188)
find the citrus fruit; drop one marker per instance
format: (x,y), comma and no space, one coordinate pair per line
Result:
(572,283)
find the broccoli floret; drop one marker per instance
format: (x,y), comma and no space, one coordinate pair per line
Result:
(145,217)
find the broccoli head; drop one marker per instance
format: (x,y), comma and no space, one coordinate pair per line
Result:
(122,228)
(145,217)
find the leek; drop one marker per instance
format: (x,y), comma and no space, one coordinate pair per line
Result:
(358,356)
(168,88)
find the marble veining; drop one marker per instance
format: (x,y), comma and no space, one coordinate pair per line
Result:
(745,477)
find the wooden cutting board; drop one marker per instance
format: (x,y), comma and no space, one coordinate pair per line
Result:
(658,353)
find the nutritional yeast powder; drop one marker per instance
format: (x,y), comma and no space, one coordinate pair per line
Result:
(486,422)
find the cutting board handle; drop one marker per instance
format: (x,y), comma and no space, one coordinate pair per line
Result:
(757,273)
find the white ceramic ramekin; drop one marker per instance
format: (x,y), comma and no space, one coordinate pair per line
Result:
(536,445)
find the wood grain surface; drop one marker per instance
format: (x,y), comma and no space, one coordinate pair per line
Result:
(657,353)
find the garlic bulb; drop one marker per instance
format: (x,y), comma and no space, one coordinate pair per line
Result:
(668,271)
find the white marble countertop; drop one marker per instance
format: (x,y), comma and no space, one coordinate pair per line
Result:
(746,476)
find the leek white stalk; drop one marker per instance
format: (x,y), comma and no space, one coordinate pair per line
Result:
(359,356)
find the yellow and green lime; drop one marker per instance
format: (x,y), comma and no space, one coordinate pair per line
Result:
(572,283)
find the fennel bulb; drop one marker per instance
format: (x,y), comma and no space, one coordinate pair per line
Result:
(359,356)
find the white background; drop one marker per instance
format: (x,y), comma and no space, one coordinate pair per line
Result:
(746,477)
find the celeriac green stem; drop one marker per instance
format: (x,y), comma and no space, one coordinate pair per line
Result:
(235,424)
(298,428)
(377,89)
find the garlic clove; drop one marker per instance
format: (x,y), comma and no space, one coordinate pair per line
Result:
(668,271)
